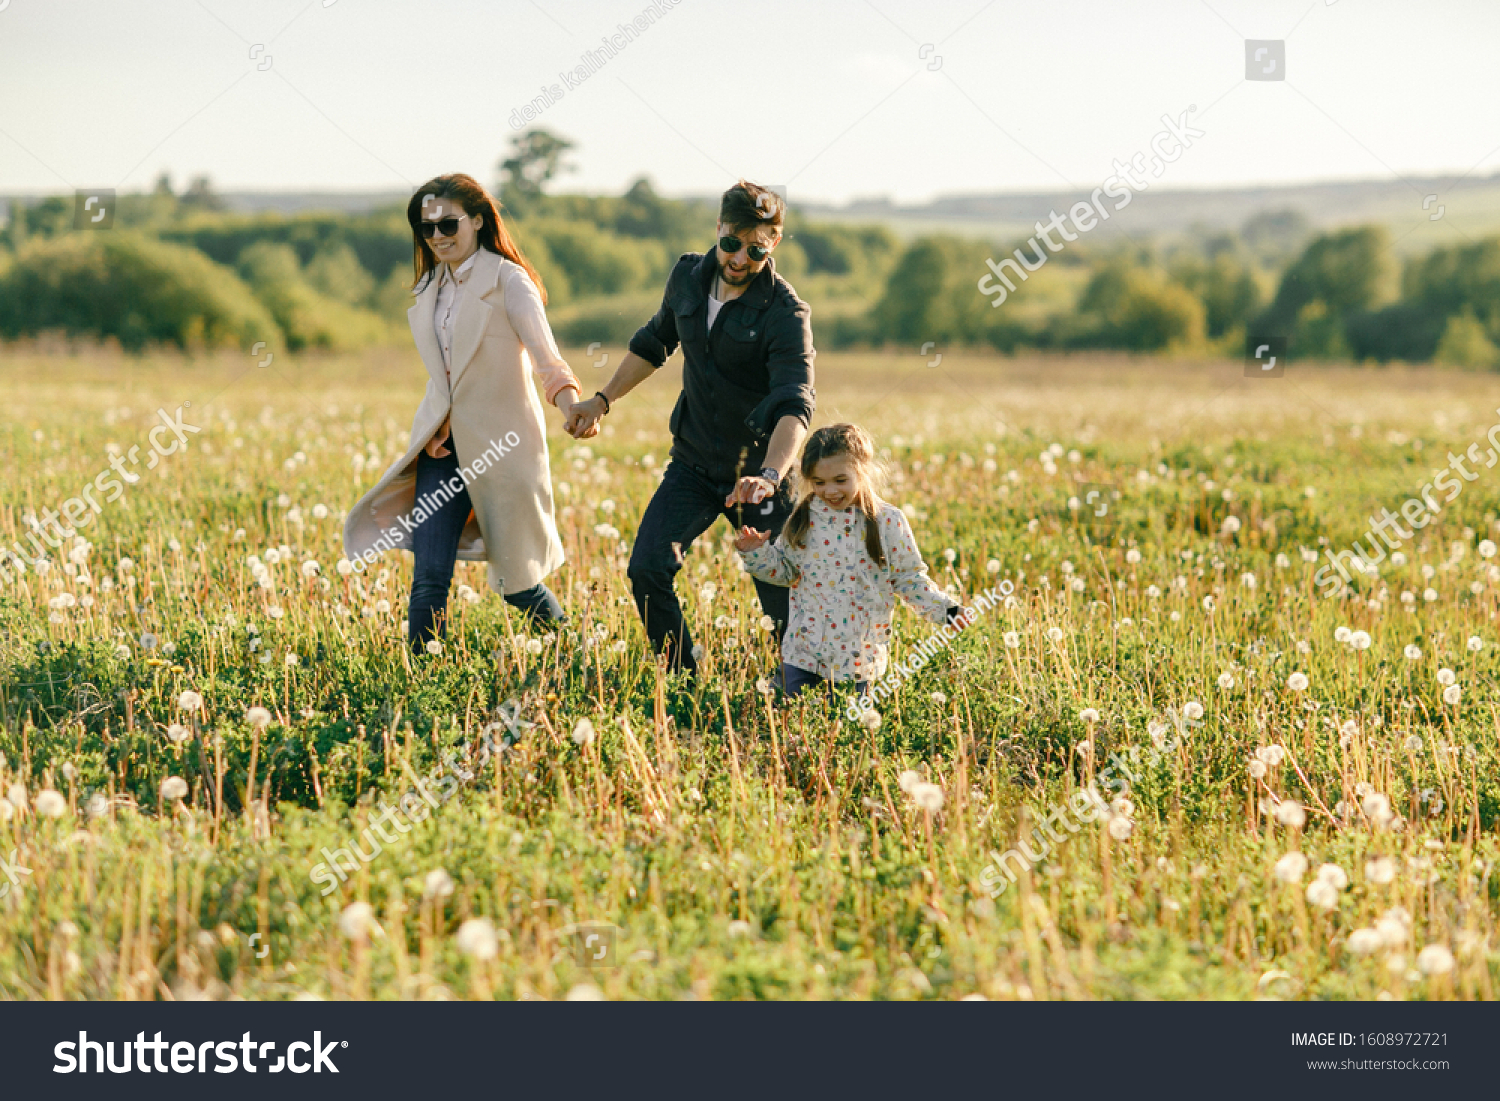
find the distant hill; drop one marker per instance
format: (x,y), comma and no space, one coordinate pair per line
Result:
(1472,206)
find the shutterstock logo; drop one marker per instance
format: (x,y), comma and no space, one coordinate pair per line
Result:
(189,1058)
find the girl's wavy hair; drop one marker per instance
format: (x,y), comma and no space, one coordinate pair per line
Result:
(828,442)
(470,194)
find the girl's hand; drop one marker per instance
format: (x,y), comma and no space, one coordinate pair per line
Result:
(749,539)
(434,447)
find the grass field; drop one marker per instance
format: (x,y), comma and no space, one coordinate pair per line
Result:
(713,846)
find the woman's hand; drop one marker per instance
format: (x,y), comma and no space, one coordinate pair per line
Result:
(434,447)
(584,417)
(566,398)
(749,539)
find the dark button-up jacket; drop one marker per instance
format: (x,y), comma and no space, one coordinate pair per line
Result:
(739,380)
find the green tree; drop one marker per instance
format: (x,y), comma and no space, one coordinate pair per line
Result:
(1338,276)
(1141,309)
(536,158)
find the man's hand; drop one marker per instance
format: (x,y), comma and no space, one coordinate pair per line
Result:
(434,447)
(959,618)
(749,539)
(583,418)
(749,491)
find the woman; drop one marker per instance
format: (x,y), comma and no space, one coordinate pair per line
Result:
(474,482)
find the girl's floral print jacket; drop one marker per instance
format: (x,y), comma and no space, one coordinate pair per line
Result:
(842,601)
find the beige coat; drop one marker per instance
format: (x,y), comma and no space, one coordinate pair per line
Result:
(500,335)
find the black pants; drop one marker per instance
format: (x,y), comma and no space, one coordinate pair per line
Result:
(684,506)
(434,544)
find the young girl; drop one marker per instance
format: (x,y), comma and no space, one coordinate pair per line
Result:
(846,555)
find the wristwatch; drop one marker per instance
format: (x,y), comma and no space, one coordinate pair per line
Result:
(770,474)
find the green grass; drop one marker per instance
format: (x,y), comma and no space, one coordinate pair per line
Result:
(739,851)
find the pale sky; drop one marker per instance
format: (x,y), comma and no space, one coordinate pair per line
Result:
(836,99)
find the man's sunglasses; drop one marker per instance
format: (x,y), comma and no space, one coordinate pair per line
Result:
(732,245)
(445,226)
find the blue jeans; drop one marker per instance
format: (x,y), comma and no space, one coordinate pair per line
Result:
(793,679)
(434,544)
(685,505)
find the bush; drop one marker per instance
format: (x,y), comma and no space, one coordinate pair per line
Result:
(136,289)
(308,318)
(1466,343)
(1141,310)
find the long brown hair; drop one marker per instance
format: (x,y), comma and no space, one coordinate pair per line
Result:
(827,442)
(470,194)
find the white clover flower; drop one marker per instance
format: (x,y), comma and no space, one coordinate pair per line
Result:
(1447,676)
(476,937)
(1226,681)
(357,920)
(437,884)
(1362,942)
(1332,873)
(1297,682)
(1452,694)
(583,732)
(1322,894)
(174,788)
(1192,710)
(1377,809)
(1413,653)
(1290,868)
(1088,715)
(50,803)
(258,716)
(929,797)
(1381,870)
(1289,813)
(1435,959)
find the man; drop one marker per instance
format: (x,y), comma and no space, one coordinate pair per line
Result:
(747,398)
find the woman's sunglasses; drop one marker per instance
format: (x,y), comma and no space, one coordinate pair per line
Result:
(447,227)
(732,245)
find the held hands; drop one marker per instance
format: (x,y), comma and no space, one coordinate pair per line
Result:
(959,618)
(749,539)
(749,491)
(434,447)
(583,418)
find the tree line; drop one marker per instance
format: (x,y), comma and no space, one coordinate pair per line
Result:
(178,269)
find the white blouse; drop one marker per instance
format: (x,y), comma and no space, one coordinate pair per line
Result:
(449,285)
(841,601)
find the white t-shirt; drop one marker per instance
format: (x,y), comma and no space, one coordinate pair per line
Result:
(714,306)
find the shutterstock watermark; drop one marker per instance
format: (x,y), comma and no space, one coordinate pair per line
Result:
(1086,804)
(1167,146)
(591,61)
(80,511)
(417,803)
(1416,512)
